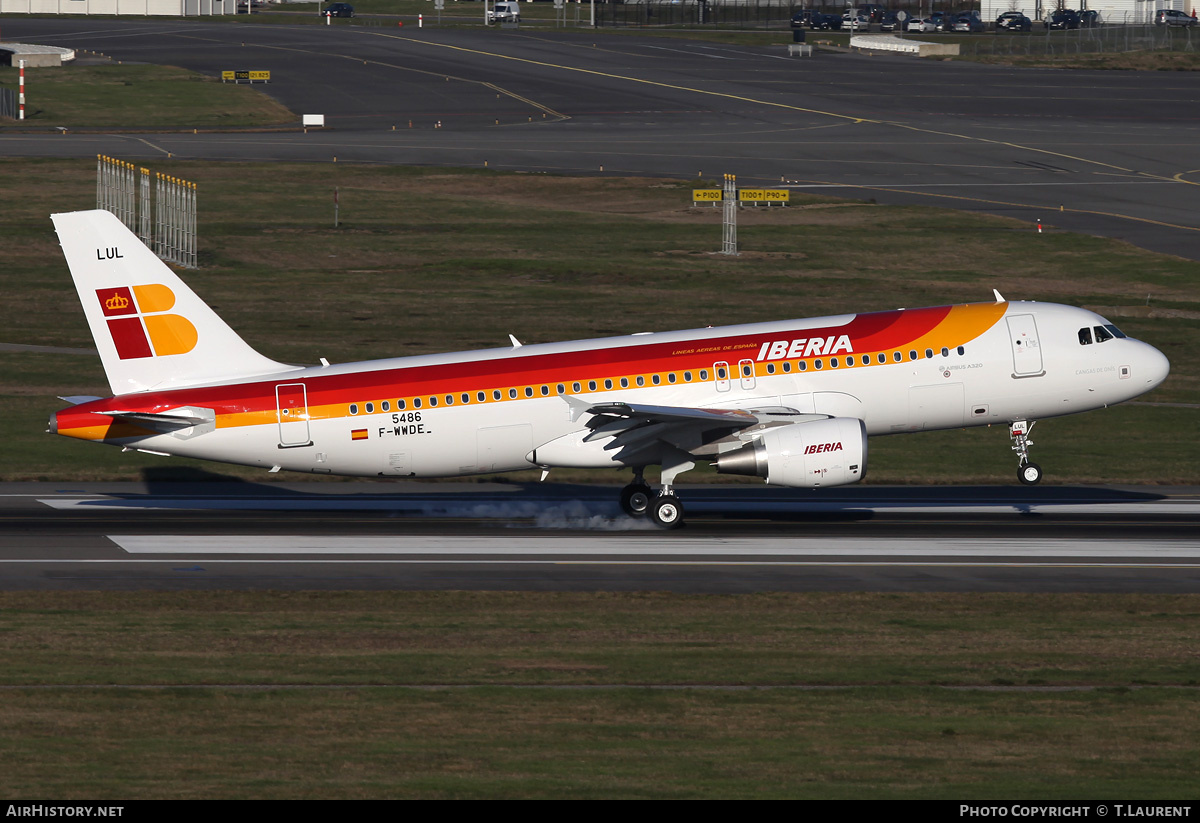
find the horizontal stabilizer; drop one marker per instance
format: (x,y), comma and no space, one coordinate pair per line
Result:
(169,421)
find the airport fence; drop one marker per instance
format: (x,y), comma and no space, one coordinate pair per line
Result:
(1108,39)
(8,103)
(717,14)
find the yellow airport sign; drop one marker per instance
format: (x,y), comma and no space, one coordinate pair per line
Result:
(763,195)
(245,75)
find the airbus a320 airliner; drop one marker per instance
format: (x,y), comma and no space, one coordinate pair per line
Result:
(791,401)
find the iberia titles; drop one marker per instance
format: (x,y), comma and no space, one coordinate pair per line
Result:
(805,347)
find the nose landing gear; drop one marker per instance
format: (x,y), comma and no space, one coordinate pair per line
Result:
(1028,473)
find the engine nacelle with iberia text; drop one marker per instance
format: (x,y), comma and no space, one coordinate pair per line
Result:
(815,453)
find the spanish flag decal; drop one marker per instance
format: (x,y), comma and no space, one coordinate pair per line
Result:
(358,434)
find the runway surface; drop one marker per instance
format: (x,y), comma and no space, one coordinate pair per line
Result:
(1108,153)
(533,537)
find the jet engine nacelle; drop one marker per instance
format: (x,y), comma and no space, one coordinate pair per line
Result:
(829,452)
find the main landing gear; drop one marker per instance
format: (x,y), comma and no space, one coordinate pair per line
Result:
(663,508)
(1028,473)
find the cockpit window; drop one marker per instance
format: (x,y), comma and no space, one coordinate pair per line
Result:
(1102,334)
(1085,336)
(1115,331)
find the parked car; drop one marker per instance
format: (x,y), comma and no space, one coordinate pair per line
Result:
(1013,21)
(917,24)
(826,21)
(888,21)
(338,10)
(802,18)
(938,18)
(1063,19)
(1171,17)
(856,22)
(968,22)
(1089,19)
(873,11)
(503,10)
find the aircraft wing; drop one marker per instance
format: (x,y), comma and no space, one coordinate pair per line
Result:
(636,433)
(637,413)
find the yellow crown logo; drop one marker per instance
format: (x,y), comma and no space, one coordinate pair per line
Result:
(117,301)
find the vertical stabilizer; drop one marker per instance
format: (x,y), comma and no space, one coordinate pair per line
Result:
(151,329)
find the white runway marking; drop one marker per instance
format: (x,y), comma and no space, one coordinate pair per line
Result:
(637,546)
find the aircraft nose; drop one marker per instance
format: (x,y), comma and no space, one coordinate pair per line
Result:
(1153,368)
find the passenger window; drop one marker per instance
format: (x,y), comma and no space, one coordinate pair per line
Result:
(481,397)
(655,379)
(624,382)
(433,401)
(466,398)
(897,356)
(560,389)
(928,354)
(576,388)
(787,367)
(416,402)
(370,408)
(945,352)
(803,365)
(591,385)
(449,400)
(833,362)
(850,360)
(912,354)
(354,408)
(608,383)
(961,350)
(385,406)
(687,377)
(770,368)
(512,394)
(882,358)
(546,390)
(818,364)
(704,374)
(721,375)
(529,391)
(671,377)
(400,404)
(496,394)
(1085,336)
(641,381)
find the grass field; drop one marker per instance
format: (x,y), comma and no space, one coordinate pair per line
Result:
(139,97)
(490,695)
(430,260)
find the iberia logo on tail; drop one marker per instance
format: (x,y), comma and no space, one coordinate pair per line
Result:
(138,326)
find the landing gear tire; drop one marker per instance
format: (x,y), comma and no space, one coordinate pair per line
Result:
(636,499)
(1030,474)
(667,512)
